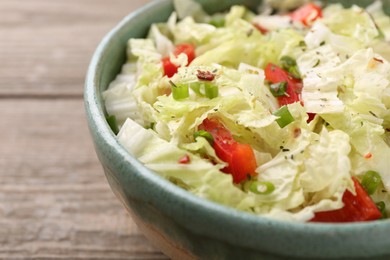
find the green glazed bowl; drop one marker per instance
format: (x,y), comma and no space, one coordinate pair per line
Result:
(184,226)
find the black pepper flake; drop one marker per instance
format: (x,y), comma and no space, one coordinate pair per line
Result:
(372,113)
(302,44)
(285,150)
(378,60)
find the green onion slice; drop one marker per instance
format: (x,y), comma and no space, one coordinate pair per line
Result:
(294,72)
(179,92)
(211,91)
(279,89)
(287,62)
(217,20)
(382,208)
(204,134)
(111,120)
(262,187)
(196,88)
(205,89)
(290,65)
(284,115)
(371,181)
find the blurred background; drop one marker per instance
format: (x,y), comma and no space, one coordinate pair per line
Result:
(55,202)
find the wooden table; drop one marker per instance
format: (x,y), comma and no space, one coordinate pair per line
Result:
(55,202)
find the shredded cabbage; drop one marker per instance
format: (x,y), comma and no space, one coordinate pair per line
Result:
(342,62)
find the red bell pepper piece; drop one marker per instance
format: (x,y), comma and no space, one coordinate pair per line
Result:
(239,157)
(170,69)
(185,159)
(276,74)
(307,14)
(187,49)
(356,208)
(311,117)
(260,28)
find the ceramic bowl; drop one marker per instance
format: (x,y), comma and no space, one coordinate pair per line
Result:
(184,226)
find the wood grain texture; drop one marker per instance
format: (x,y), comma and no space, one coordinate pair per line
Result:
(54,199)
(46,45)
(55,202)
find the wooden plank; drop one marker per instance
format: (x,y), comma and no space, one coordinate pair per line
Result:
(54,200)
(46,45)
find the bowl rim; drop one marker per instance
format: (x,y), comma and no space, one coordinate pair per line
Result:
(98,125)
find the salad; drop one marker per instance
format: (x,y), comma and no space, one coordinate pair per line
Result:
(284,113)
